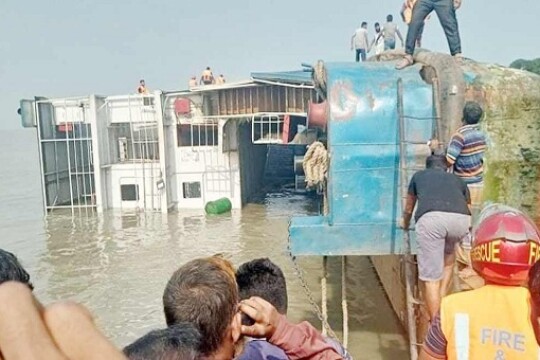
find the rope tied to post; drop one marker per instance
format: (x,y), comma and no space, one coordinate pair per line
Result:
(316,170)
(315,164)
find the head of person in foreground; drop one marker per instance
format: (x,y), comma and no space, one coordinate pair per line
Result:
(12,270)
(263,278)
(203,292)
(178,342)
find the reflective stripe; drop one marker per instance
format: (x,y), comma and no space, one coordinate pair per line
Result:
(461,334)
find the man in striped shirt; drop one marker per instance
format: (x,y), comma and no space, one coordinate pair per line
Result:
(465,155)
(466,150)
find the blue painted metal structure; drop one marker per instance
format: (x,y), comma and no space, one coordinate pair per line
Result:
(363,143)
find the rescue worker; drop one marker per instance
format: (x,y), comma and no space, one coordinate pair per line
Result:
(193,82)
(494,321)
(220,80)
(207,78)
(534,289)
(142,88)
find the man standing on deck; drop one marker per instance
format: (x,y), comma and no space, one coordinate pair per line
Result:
(446,12)
(378,41)
(442,220)
(207,78)
(360,42)
(192,82)
(142,88)
(406,15)
(220,80)
(389,32)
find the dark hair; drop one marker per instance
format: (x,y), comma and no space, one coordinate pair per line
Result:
(377,24)
(203,292)
(263,278)
(436,162)
(364,24)
(534,284)
(12,270)
(141,81)
(472,113)
(389,18)
(178,342)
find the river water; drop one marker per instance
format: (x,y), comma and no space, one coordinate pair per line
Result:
(118,264)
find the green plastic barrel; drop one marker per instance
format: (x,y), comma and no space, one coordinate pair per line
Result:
(218,206)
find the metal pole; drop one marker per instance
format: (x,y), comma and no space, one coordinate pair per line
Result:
(133,150)
(81,150)
(344,306)
(324,302)
(437,126)
(409,278)
(69,162)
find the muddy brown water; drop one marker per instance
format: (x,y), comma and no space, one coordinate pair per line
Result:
(118,264)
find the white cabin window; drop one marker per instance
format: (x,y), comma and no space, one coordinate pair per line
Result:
(191,190)
(130,192)
(198,135)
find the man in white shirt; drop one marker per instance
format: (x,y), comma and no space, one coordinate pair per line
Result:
(378,41)
(360,42)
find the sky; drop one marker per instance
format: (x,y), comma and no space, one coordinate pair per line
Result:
(62,48)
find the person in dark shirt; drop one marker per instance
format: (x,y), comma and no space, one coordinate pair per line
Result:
(263,278)
(442,219)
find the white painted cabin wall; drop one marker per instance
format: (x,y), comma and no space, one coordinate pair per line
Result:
(124,174)
(217,171)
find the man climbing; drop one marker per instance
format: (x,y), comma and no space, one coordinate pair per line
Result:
(446,12)
(465,155)
(494,321)
(389,32)
(360,42)
(207,78)
(442,220)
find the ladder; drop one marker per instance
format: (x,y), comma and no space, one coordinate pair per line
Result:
(410,278)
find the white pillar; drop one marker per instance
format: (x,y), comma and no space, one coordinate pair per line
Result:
(95,126)
(158,101)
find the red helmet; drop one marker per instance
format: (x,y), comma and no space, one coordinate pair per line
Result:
(506,245)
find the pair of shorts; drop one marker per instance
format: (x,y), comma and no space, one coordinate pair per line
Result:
(437,234)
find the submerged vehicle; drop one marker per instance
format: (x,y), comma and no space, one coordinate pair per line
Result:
(378,122)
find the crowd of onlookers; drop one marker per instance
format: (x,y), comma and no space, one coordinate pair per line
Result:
(212,311)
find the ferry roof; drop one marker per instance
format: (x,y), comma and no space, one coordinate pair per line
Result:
(298,77)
